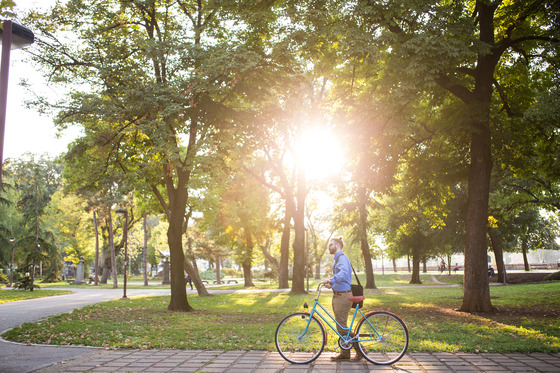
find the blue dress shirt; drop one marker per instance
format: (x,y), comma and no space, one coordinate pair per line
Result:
(342,273)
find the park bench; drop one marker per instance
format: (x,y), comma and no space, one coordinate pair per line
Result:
(226,281)
(215,281)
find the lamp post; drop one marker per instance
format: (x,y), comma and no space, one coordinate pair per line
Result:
(13,36)
(13,241)
(124,212)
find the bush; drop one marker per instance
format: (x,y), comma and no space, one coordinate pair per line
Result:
(25,284)
(4,279)
(209,274)
(231,272)
(553,277)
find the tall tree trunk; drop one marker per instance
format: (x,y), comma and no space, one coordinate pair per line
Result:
(269,257)
(364,244)
(96,264)
(114,272)
(497,244)
(192,271)
(318,258)
(106,268)
(415,277)
(476,297)
(524,249)
(178,197)
(247,274)
(395,265)
(218,274)
(476,289)
(298,277)
(408,263)
(283,269)
(145,251)
(248,261)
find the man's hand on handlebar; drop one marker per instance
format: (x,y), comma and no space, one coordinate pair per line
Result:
(327,283)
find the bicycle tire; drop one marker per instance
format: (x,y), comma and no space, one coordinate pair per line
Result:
(296,344)
(383,337)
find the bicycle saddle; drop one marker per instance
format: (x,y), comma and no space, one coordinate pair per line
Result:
(356,299)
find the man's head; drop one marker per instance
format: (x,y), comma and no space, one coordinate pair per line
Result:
(335,245)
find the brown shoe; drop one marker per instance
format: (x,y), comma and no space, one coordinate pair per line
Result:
(341,356)
(357,358)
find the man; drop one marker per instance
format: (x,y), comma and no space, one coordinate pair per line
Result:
(340,285)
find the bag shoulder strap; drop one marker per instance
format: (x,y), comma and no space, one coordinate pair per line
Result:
(355,275)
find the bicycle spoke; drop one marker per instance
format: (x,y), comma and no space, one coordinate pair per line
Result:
(300,340)
(383,338)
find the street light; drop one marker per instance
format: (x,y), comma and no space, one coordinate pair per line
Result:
(13,36)
(121,212)
(13,241)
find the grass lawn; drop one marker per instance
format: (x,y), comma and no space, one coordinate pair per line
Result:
(12,295)
(389,279)
(527,320)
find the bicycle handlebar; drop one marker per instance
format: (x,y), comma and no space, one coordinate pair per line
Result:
(319,290)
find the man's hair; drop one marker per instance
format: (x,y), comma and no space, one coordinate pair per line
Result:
(339,241)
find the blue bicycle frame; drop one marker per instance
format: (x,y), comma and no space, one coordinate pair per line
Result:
(348,337)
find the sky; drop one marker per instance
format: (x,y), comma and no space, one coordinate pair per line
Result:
(26,130)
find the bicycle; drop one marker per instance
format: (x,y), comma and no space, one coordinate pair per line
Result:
(381,336)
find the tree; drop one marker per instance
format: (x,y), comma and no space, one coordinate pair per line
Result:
(245,216)
(526,230)
(458,47)
(164,122)
(72,227)
(36,181)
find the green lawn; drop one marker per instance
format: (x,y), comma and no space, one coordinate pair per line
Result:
(528,320)
(12,295)
(388,279)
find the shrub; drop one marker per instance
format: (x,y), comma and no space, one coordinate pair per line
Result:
(4,279)
(553,277)
(231,272)
(209,274)
(25,284)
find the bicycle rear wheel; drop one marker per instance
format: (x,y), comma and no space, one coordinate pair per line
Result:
(383,337)
(299,338)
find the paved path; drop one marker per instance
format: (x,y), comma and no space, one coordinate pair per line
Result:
(18,358)
(271,362)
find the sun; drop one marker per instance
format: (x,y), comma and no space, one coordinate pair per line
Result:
(320,153)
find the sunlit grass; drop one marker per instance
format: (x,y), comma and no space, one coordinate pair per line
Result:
(249,320)
(385,280)
(13,295)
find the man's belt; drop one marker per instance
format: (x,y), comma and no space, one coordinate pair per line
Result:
(342,292)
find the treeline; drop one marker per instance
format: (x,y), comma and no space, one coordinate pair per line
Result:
(194,110)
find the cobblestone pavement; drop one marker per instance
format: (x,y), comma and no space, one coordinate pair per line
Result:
(269,362)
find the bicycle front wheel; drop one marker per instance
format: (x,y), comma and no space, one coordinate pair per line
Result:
(383,338)
(299,338)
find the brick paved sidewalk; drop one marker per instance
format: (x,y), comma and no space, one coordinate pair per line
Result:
(269,362)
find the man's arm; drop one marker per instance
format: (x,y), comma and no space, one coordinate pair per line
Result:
(343,272)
